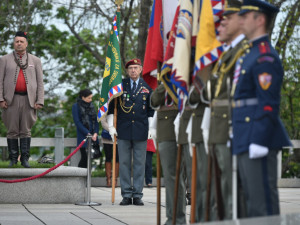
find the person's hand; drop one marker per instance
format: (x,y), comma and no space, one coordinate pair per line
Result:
(3,104)
(257,151)
(111,129)
(38,106)
(94,138)
(149,135)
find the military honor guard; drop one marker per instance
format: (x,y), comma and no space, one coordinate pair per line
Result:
(167,147)
(197,112)
(133,116)
(183,141)
(258,132)
(221,79)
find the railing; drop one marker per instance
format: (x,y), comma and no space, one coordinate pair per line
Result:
(58,142)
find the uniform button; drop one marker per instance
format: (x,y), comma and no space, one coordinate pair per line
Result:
(212,113)
(133,95)
(243,71)
(224,115)
(193,114)
(166,117)
(241,60)
(133,103)
(132,121)
(247,119)
(247,50)
(133,112)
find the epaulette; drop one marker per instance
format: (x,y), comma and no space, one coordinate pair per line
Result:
(264,47)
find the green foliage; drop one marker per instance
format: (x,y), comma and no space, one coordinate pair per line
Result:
(33,164)
(290,165)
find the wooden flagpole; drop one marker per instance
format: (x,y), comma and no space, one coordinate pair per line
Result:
(158,168)
(194,185)
(113,186)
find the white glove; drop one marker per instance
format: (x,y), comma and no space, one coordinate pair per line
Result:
(111,129)
(205,127)
(257,151)
(176,126)
(150,119)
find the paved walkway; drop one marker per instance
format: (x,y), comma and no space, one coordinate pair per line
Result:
(65,214)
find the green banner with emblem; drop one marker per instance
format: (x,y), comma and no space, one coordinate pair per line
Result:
(112,77)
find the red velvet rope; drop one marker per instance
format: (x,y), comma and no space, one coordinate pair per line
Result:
(47,171)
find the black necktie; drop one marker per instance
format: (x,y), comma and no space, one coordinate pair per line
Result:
(133,86)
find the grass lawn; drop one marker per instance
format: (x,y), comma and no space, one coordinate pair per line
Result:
(33,164)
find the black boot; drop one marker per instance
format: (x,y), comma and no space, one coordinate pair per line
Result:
(13,149)
(25,147)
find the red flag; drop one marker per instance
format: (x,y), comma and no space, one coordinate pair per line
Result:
(154,48)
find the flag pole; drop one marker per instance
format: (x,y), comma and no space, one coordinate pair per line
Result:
(158,168)
(114,155)
(178,163)
(194,184)
(113,186)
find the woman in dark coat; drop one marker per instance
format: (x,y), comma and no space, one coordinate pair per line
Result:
(85,118)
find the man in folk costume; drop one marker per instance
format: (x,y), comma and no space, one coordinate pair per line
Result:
(21,95)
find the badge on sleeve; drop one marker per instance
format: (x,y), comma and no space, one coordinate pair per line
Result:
(265,80)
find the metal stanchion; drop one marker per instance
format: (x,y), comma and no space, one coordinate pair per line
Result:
(88,183)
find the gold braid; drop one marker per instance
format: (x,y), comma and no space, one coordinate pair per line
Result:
(225,69)
(125,108)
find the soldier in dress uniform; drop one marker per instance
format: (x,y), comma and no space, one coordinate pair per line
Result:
(183,141)
(219,127)
(258,132)
(197,111)
(133,119)
(167,147)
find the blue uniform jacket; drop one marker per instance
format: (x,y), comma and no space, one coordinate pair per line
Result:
(260,77)
(133,111)
(82,131)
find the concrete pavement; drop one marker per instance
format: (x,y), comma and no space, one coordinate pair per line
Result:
(107,213)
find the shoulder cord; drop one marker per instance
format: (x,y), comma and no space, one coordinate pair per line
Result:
(125,108)
(225,69)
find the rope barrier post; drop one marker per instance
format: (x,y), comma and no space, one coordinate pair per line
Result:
(88,182)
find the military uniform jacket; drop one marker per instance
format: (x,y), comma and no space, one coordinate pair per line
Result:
(260,78)
(133,111)
(197,114)
(219,128)
(165,115)
(9,71)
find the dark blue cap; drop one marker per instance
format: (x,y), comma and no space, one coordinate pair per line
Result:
(259,6)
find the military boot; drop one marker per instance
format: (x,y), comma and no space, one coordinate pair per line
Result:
(25,148)
(13,149)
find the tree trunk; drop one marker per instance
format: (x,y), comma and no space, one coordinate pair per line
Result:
(143,28)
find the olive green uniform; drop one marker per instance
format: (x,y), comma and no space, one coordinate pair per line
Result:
(202,159)
(219,128)
(183,141)
(167,147)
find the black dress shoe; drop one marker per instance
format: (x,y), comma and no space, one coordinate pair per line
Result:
(126,201)
(138,201)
